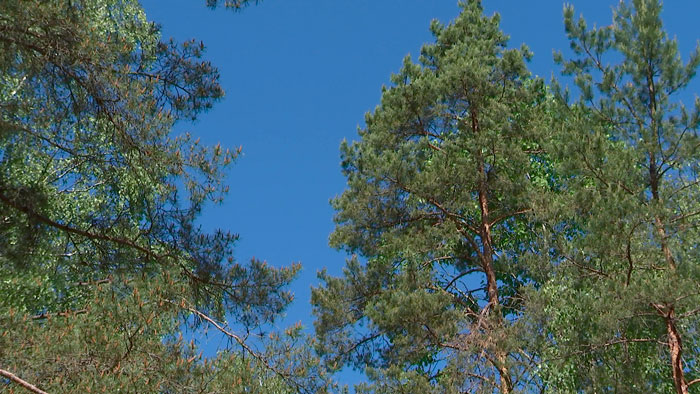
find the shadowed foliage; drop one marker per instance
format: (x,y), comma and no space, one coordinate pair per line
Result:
(94,188)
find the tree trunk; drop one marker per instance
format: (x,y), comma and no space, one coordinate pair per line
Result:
(501,357)
(675,347)
(492,287)
(658,222)
(660,228)
(675,342)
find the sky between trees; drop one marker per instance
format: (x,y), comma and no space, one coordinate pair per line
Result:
(505,236)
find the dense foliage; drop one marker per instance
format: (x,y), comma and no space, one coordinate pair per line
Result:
(505,235)
(440,186)
(621,306)
(508,238)
(96,192)
(126,340)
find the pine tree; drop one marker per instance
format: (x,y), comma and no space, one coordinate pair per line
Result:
(621,306)
(95,191)
(128,339)
(440,186)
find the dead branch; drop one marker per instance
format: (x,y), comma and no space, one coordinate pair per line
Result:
(21,382)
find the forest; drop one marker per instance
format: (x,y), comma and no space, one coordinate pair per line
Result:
(504,233)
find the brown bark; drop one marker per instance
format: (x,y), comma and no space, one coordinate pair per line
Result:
(491,283)
(675,342)
(658,222)
(9,375)
(487,242)
(675,347)
(660,228)
(506,384)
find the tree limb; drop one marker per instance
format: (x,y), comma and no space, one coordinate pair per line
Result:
(21,382)
(61,314)
(284,375)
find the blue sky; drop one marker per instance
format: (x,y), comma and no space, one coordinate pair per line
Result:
(299,76)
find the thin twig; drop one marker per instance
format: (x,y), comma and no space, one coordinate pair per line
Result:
(240,341)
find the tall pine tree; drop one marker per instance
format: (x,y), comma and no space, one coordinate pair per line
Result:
(440,187)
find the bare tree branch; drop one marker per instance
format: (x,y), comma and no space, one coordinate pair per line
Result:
(21,382)
(284,375)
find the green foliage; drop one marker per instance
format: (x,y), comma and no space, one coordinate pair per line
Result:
(89,171)
(504,237)
(585,212)
(624,227)
(94,189)
(126,340)
(435,306)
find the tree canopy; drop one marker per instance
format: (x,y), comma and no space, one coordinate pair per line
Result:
(506,234)
(621,304)
(98,197)
(439,186)
(506,237)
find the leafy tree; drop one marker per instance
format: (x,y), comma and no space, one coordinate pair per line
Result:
(94,189)
(621,307)
(440,187)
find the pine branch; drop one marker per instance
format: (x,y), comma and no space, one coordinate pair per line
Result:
(61,314)
(21,382)
(132,244)
(284,375)
(509,215)
(47,221)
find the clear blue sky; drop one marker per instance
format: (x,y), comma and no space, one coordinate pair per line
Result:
(299,76)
